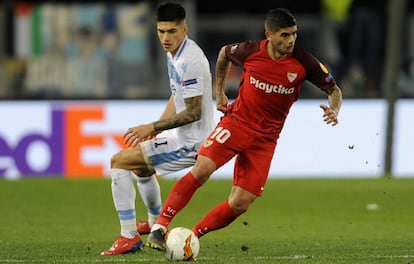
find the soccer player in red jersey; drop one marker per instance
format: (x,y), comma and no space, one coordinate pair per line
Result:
(273,71)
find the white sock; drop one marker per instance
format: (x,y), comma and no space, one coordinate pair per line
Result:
(152,218)
(150,191)
(124,194)
(158,226)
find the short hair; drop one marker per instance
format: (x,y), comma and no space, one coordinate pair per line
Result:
(279,18)
(170,12)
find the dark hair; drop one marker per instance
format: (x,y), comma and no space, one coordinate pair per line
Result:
(170,12)
(279,18)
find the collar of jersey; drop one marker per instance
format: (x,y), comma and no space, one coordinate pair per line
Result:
(180,50)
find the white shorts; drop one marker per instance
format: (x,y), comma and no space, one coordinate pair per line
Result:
(166,154)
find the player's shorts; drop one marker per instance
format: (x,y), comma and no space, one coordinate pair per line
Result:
(166,153)
(253,151)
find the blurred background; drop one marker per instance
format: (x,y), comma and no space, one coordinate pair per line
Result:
(109,50)
(70,69)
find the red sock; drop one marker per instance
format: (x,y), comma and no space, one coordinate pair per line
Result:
(177,199)
(218,217)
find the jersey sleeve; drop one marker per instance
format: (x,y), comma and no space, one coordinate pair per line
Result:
(316,72)
(238,52)
(193,80)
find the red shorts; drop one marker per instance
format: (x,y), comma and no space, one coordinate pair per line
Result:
(253,151)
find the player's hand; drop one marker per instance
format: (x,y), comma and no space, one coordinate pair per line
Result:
(221,102)
(151,136)
(330,116)
(137,134)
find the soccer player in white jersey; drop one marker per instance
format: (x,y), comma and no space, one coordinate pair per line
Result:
(175,137)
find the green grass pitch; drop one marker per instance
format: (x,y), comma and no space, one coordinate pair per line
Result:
(296,221)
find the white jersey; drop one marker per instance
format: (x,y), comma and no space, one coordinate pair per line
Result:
(175,149)
(190,75)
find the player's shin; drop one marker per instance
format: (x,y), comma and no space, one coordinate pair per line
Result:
(178,198)
(123,194)
(218,217)
(150,192)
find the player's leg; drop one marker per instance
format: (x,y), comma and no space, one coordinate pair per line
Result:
(226,212)
(215,152)
(164,154)
(148,186)
(124,194)
(150,192)
(250,174)
(178,198)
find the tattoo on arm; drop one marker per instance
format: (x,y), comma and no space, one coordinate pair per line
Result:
(190,114)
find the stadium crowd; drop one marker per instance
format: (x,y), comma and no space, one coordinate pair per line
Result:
(103,50)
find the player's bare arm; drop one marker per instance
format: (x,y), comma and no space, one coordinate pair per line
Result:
(192,113)
(223,66)
(169,109)
(330,113)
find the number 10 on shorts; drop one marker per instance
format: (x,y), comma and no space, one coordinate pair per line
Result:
(220,135)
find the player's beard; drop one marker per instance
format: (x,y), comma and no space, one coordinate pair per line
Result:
(288,49)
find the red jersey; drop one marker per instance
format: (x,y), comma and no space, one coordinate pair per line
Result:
(268,87)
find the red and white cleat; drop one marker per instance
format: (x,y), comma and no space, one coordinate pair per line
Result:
(143,227)
(124,245)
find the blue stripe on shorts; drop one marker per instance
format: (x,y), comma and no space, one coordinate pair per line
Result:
(169,157)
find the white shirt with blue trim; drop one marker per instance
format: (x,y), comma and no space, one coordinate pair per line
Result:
(190,75)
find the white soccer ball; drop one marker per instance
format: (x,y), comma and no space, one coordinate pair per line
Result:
(181,244)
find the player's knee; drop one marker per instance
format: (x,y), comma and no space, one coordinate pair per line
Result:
(114,160)
(203,169)
(239,205)
(239,201)
(143,173)
(201,176)
(118,159)
(239,208)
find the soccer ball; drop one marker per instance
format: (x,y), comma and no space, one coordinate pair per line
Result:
(181,244)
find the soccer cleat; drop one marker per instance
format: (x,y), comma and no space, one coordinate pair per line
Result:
(124,245)
(143,227)
(156,240)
